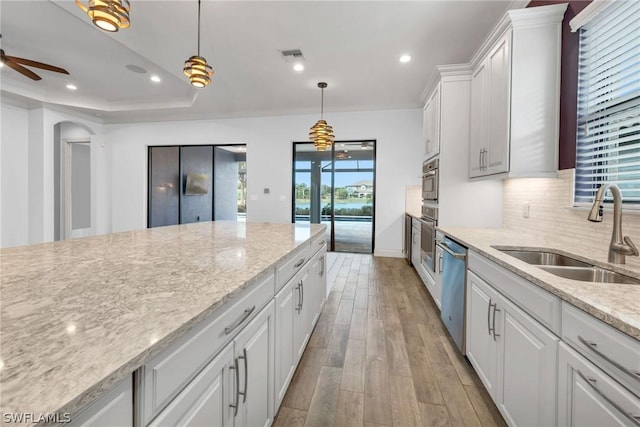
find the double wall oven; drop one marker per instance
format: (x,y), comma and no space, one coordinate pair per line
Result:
(430,176)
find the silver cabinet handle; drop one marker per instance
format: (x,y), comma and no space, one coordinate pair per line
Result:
(299,263)
(440,268)
(246,375)
(480,159)
(322,242)
(635,419)
(299,305)
(593,347)
(238,322)
(495,308)
(301,294)
(237,401)
(489,317)
(322,260)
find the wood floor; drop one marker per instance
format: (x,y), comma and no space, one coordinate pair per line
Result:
(380,356)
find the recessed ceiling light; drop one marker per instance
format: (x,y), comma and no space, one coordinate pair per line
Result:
(298,67)
(155,79)
(1,64)
(71,87)
(136,69)
(405,58)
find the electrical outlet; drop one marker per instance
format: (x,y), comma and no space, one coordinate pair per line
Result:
(525,209)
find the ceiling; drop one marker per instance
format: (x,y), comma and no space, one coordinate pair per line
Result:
(352,45)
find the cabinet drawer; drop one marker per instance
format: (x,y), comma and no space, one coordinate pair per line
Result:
(291,265)
(588,396)
(168,372)
(613,351)
(537,302)
(319,242)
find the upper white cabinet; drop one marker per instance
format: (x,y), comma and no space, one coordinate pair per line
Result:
(431,124)
(515,96)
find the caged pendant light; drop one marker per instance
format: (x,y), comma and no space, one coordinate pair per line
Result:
(108,15)
(321,134)
(196,67)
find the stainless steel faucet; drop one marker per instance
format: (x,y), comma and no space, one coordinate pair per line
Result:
(620,246)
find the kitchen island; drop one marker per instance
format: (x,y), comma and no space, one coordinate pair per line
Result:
(80,316)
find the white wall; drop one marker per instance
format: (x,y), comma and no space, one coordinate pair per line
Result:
(27,183)
(269,157)
(14,177)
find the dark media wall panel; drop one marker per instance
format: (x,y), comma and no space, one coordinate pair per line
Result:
(164,186)
(197,207)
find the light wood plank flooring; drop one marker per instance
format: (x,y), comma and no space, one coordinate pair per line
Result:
(380,356)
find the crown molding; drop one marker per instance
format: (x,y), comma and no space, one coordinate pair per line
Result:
(442,71)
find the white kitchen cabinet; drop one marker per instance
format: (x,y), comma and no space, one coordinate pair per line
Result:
(481,347)
(114,409)
(527,357)
(588,397)
(286,316)
(253,367)
(205,401)
(415,243)
(439,264)
(516,96)
(431,125)
(514,355)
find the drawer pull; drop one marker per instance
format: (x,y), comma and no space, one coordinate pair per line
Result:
(489,317)
(237,401)
(299,263)
(246,375)
(594,347)
(635,419)
(495,308)
(322,242)
(238,322)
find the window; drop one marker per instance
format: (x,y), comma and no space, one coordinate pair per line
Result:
(608,136)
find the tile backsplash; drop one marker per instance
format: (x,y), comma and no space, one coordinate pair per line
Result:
(551,214)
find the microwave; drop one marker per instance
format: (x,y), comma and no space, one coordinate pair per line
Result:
(430,180)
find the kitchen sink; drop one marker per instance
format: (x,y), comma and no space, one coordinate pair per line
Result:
(544,258)
(568,267)
(590,274)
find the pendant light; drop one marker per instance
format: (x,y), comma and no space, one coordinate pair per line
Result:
(108,15)
(196,67)
(321,134)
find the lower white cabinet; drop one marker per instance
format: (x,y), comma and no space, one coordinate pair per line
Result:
(415,243)
(252,401)
(205,401)
(298,306)
(514,355)
(587,396)
(113,409)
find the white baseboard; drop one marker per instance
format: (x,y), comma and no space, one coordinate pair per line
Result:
(388,253)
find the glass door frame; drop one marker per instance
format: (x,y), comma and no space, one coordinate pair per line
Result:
(331,247)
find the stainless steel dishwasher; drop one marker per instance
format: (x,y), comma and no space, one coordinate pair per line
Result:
(454,277)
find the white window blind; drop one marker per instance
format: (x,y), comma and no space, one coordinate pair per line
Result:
(608,137)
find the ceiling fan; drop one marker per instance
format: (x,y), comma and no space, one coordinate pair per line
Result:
(17,64)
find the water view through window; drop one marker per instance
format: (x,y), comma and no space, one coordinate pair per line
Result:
(337,187)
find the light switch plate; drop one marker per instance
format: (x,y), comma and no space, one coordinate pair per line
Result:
(525,209)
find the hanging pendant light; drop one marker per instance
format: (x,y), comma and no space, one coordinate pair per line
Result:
(196,67)
(321,134)
(108,15)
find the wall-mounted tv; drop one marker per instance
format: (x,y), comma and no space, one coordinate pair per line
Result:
(197,184)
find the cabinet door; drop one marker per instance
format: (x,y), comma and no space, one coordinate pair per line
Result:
(481,347)
(254,353)
(205,401)
(431,124)
(301,324)
(285,318)
(527,360)
(479,115)
(438,276)
(426,126)
(316,290)
(589,397)
(499,99)
(114,409)
(415,246)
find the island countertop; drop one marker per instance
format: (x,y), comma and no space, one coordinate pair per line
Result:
(77,317)
(614,303)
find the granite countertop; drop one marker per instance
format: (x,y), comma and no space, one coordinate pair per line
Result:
(615,304)
(79,316)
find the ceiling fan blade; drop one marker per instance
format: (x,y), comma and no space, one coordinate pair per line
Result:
(37,64)
(19,68)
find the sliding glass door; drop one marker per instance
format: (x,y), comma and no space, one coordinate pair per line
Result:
(337,187)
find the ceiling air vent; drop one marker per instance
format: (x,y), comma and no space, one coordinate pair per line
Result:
(292,55)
